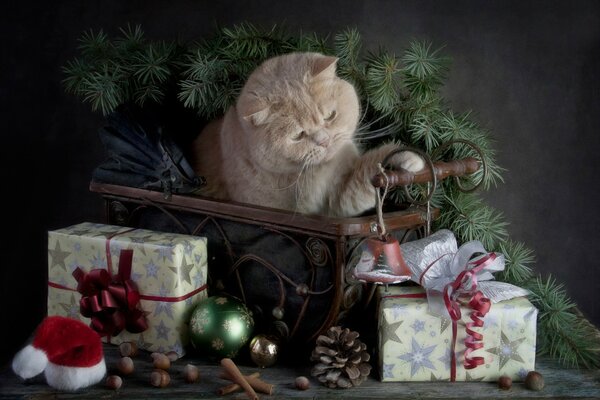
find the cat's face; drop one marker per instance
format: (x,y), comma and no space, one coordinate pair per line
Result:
(296,112)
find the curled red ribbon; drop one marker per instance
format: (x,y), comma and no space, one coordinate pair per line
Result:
(111,302)
(465,286)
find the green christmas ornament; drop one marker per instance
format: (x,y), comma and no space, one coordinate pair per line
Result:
(220,326)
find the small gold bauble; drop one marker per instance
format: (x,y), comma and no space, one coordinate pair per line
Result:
(264,350)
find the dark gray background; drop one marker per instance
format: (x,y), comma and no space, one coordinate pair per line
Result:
(528,69)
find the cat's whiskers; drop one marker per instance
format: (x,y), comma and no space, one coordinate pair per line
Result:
(297,179)
(307,167)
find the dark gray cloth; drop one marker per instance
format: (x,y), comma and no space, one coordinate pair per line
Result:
(142,153)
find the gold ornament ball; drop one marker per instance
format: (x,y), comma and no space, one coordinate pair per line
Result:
(264,350)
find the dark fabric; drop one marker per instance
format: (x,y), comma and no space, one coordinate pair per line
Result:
(143,154)
(259,286)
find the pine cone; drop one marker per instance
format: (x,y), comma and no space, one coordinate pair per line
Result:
(342,359)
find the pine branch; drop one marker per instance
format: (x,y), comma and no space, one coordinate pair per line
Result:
(382,81)
(103,90)
(250,42)
(426,131)
(131,41)
(518,260)
(462,127)
(562,333)
(310,42)
(347,45)
(95,45)
(424,69)
(77,71)
(151,66)
(470,219)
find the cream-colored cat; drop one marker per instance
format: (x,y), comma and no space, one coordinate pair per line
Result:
(288,142)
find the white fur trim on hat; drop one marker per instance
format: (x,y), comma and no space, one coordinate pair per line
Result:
(29,362)
(73,378)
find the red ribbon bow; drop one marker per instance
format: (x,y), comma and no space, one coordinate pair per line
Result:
(111,302)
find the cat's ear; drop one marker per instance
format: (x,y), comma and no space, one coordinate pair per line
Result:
(258,118)
(324,67)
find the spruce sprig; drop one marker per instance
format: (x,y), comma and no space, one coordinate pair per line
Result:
(382,81)
(467,215)
(562,332)
(519,260)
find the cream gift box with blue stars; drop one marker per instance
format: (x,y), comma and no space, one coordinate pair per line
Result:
(168,269)
(415,345)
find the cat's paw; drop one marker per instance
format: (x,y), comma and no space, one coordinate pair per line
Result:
(412,162)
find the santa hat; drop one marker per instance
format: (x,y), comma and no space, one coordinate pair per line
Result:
(68,352)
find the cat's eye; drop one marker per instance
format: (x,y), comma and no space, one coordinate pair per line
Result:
(331,116)
(299,135)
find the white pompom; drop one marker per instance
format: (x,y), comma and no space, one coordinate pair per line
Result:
(29,362)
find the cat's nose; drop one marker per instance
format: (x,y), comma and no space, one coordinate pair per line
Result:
(321,138)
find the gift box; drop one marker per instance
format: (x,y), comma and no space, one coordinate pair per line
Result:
(417,345)
(128,284)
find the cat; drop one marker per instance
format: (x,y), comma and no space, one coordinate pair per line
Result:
(288,143)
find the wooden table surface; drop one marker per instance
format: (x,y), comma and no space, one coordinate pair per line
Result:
(560,383)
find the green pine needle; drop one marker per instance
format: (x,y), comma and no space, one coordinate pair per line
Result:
(95,45)
(426,131)
(248,41)
(310,42)
(152,65)
(382,81)
(424,69)
(103,90)
(132,39)
(470,219)
(562,333)
(76,71)
(150,92)
(347,45)
(518,263)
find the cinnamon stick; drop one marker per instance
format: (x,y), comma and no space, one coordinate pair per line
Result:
(234,387)
(260,386)
(253,379)
(238,378)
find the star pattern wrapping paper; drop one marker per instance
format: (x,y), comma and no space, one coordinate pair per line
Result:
(415,345)
(165,266)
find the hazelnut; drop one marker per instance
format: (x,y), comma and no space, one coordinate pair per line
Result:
(505,382)
(128,349)
(172,356)
(161,361)
(534,381)
(160,378)
(302,383)
(114,382)
(125,365)
(191,373)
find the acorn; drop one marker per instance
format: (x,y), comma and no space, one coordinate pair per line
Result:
(128,349)
(534,381)
(114,382)
(125,365)
(160,361)
(191,373)
(505,382)
(302,383)
(160,378)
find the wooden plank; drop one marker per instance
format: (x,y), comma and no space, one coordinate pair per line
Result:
(560,383)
